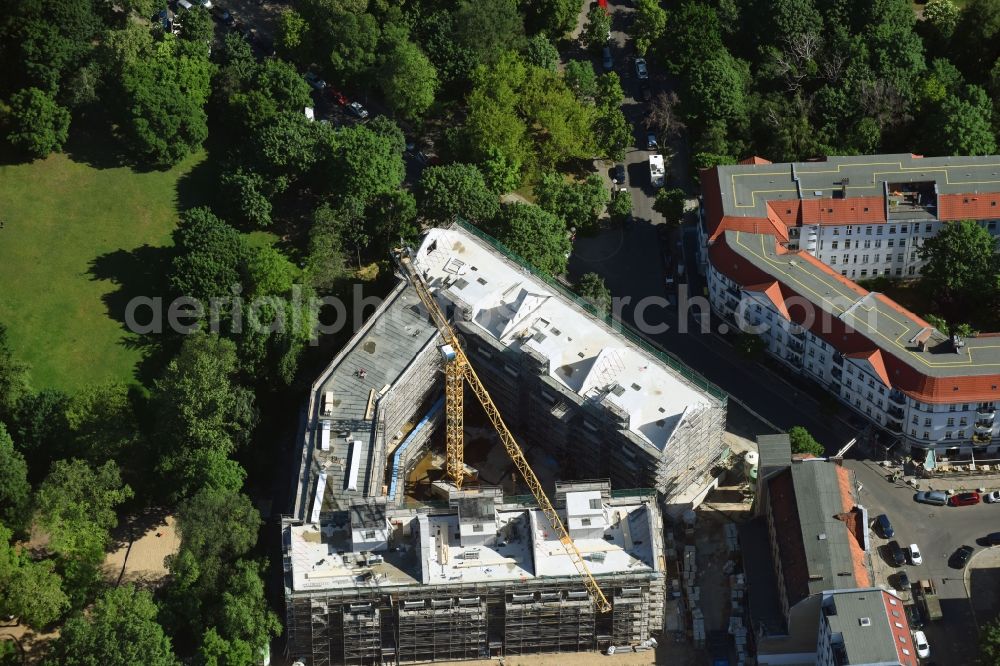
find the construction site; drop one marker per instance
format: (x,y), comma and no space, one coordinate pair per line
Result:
(379,573)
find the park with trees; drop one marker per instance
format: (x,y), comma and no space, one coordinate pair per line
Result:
(137,162)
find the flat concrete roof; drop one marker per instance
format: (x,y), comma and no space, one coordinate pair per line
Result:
(384,347)
(425,548)
(870,314)
(862,622)
(521,312)
(746,188)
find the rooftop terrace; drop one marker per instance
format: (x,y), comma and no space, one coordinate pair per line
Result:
(521,311)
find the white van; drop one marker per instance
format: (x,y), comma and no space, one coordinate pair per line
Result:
(184,4)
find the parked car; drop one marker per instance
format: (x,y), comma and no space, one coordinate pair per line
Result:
(884,527)
(993,539)
(920,640)
(651,143)
(961,557)
(640,69)
(915,557)
(902,581)
(313,80)
(896,554)
(914,616)
(644,92)
(606,59)
(618,175)
(357,110)
(992,497)
(163,17)
(964,499)
(336,96)
(935,497)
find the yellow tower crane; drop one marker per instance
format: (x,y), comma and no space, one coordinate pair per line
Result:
(457,370)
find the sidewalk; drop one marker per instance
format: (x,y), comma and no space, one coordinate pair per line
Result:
(954,482)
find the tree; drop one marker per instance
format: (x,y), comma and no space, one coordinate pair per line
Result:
(217,526)
(718,88)
(364,164)
(989,643)
(40,429)
(620,208)
(650,24)
(489,29)
(39,125)
(579,75)
(76,506)
(292,30)
(408,80)
(210,257)
(14,382)
(562,126)
(803,442)
(966,124)
(962,266)
(445,192)
(535,234)
(664,116)
(29,590)
(247,200)
(246,624)
(103,424)
(577,204)
(591,287)
(556,17)
(598,27)
(670,204)
(15,491)
(325,262)
(942,15)
(202,415)
(197,26)
(539,51)
(979,27)
(120,630)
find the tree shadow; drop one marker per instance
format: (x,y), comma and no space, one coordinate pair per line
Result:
(93,142)
(139,302)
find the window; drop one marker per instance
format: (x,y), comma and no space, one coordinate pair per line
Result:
(899,271)
(864,258)
(864,271)
(834,244)
(951,408)
(844,273)
(877,256)
(927,228)
(595,503)
(899,257)
(927,435)
(868,244)
(927,423)
(951,422)
(833,261)
(878,230)
(963,421)
(849,230)
(477,528)
(890,242)
(916,421)
(892,229)
(836,231)
(947,434)
(913,256)
(868,231)
(878,241)
(913,432)
(902,242)
(585,522)
(369,534)
(902,228)
(911,270)
(961,434)
(855,258)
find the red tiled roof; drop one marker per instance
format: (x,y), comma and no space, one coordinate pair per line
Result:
(874,358)
(773,293)
(850,342)
(856,527)
(969,206)
(901,636)
(853,210)
(755,160)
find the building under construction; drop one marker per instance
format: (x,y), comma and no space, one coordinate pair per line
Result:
(369,580)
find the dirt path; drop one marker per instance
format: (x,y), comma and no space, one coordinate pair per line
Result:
(144,543)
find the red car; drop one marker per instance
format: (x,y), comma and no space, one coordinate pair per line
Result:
(964,499)
(337,96)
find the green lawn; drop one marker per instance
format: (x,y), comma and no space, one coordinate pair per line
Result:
(77,242)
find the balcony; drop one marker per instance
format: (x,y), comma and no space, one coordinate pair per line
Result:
(895,412)
(984,427)
(795,346)
(981,439)
(894,425)
(897,397)
(837,373)
(986,413)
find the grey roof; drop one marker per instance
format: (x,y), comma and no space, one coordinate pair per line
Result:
(747,188)
(890,328)
(826,539)
(384,347)
(872,643)
(775,454)
(476,509)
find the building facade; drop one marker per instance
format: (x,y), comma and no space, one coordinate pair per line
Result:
(782,262)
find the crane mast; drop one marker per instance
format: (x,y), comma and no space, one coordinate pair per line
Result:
(457,370)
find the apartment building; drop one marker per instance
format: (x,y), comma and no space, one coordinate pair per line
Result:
(777,273)
(864,627)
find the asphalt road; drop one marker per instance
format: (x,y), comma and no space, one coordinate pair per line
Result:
(938,531)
